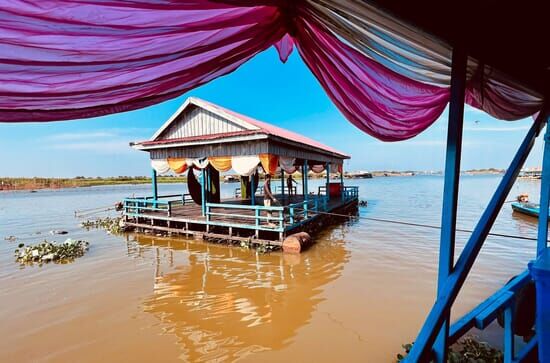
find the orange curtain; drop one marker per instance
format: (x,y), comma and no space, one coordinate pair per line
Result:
(178,165)
(220,163)
(269,163)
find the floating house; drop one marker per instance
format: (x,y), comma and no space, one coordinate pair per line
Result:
(202,140)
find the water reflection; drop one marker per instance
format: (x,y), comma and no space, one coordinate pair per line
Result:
(223,303)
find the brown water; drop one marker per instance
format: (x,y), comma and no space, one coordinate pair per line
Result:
(357,295)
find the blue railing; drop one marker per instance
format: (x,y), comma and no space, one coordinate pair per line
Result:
(134,207)
(228,213)
(350,193)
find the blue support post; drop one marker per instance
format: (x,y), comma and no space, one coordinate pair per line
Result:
(450,189)
(203,191)
(342,182)
(155,187)
(283,184)
(421,351)
(328,178)
(305,180)
(542,237)
(253,189)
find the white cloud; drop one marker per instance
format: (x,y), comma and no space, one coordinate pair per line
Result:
(109,141)
(102,147)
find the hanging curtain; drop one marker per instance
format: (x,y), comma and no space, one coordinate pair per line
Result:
(198,163)
(160,165)
(245,165)
(317,168)
(194,187)
(61,61)
(220,163)
(245,187)
(214,185)
(340,168)
(287,164)
(269,163)
(178,165)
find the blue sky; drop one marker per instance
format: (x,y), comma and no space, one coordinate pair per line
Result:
(283,94)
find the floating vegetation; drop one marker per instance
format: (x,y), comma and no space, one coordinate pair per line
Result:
(468,350)
(111,225)
(51,252)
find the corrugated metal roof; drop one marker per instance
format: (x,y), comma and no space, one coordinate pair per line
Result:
(255,127)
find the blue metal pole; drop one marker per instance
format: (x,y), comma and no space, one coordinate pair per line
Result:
(450,189)
(252,189)
(154,184)
(283,184)
(328,177)
(305,180)
(542,237)
(342,182)
(422,348)
(203,191)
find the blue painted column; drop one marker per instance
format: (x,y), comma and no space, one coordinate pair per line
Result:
(253,188)
(342,181)
(450,189)
(283,184)
(328,177)
(154,184)
(542,237)
(203,191)
(305,180)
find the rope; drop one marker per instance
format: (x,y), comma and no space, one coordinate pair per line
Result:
(78,214)
(430,226)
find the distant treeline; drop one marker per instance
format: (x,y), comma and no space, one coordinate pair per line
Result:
(79,181)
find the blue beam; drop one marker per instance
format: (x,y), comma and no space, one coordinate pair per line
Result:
(305,180)
(253,188)
(328,177)
(203,191)
(450,189)
(544,195)
(342,181)
(283,183)
(154,185)
(422,349)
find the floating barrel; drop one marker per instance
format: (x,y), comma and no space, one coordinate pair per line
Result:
(297,242)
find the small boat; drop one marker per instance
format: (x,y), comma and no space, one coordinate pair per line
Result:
(530,209)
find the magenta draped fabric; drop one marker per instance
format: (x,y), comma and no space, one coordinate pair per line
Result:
(62,60)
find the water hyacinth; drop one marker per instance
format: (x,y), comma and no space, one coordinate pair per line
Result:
(111,225)
(46,251)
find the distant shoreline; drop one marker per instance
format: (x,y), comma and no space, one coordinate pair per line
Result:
(15,184)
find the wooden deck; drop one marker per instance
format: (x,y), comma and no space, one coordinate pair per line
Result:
(233,217)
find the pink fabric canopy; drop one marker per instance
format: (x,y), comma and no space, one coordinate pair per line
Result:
(62,59)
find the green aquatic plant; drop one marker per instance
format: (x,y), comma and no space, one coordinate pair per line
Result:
(46,251)
(111,225)
(468,350)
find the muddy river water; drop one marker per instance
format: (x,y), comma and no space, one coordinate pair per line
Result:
(359,293)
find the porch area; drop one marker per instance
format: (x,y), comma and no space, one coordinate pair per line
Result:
(234,217)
